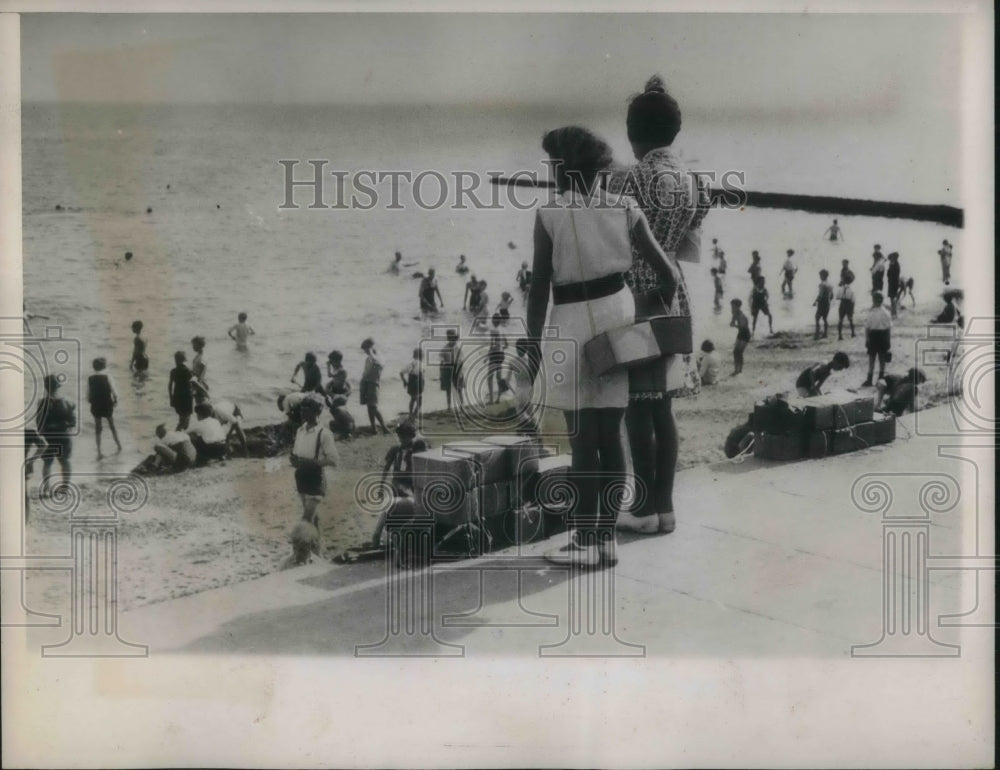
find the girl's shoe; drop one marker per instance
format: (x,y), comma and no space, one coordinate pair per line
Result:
(644,525)
(668,522)
(575,554)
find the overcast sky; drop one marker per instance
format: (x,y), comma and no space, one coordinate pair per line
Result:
(781,63)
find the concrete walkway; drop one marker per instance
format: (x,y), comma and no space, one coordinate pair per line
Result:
(768,559)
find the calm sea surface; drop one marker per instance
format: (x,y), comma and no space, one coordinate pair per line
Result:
(217,243)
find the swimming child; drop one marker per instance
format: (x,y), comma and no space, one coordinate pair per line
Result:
(395,264)
(834,232)
(413,381)
(241,331)
(739,320)
(461,268)
(139,361)
(370,379)
(788,270)
(312,381)
(708,364)
(822,302)
(845,309)
(717,282)
(812,377)
(758,304)
(179,388)
(103,397)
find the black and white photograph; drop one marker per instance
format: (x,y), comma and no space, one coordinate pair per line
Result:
(423,386)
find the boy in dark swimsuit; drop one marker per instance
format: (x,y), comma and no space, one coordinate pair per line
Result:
(758,304)
(739,320)
(139,362)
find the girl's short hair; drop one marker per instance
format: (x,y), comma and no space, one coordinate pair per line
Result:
(578,154)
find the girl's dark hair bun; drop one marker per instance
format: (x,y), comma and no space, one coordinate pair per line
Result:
(655,85)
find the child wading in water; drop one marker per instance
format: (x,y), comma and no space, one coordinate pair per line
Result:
(846,307)
(103,397)
(813,377)
(742,335)
(241,331)
(717,281)
(758,304)
(822,302)
(371,377)
(139,362)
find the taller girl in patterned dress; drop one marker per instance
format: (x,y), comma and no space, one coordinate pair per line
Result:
(675,203)
(582,249)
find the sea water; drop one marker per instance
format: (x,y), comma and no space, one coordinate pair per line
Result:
(217,240)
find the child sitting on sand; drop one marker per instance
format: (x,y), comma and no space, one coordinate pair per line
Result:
(822,302)
(812,378)
(708,363)
(901,391)
(739,320)
(342,423)
(305,546)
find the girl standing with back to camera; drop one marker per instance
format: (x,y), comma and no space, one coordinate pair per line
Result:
(675,203)
(582,250)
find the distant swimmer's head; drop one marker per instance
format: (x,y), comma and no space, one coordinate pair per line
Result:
(577,156)
(790,252)
(335,357)
(654,117)
(203,410)
(368,344)
(241,317)
(824,274)
(136,327)
(180,357)
(841,361)
(310,358)
(161,430)
(198,343)
(100,364)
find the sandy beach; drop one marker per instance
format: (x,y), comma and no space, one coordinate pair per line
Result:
(230,522)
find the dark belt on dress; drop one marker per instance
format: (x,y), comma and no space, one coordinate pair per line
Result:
(580,292)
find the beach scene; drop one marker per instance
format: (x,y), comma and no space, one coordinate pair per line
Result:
(181,215)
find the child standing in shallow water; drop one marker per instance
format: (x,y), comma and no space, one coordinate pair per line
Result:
(758,304)
(739,320)
(103,397)
(241,331)
(139,362)
(822,302)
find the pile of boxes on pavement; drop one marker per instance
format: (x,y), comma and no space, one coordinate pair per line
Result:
(797,428)
(491,482)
